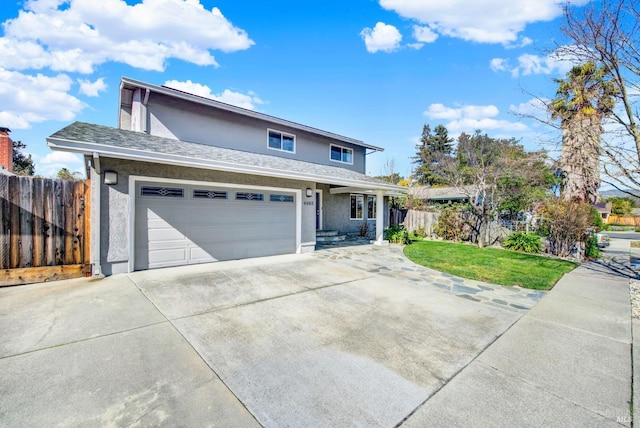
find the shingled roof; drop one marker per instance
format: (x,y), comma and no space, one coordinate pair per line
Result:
(123,144)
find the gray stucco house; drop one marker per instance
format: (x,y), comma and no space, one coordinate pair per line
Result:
(186,179)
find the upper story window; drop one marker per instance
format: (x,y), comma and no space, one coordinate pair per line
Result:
(341,154)
(281,141)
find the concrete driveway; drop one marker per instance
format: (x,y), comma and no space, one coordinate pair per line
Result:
(295,340)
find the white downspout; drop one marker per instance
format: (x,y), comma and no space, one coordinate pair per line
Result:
(96,186)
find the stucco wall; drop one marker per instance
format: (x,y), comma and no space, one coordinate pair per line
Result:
(337,212)
(174,118)
(114,225)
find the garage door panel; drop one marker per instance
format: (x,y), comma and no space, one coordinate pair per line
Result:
(167,257)
(174,231)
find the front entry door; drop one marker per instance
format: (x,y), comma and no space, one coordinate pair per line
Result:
(318,209)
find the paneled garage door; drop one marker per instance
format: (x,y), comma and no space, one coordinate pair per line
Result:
(186,224)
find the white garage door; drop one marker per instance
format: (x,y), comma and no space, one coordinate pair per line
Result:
(179,224)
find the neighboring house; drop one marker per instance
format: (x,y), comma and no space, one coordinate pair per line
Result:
(6,152)
(441,195)
(604,209)
(186,179)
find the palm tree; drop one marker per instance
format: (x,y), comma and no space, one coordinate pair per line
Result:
(582,101)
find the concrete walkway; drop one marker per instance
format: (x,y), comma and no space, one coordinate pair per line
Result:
(390,261)
(567,362)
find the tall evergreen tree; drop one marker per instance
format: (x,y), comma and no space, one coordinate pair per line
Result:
(431,150)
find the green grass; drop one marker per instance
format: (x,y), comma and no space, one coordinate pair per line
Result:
(489,264)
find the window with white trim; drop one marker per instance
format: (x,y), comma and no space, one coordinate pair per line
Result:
(371,207)
(341,154)
(357,207)
(282,141)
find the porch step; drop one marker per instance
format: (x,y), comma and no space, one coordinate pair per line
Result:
(329,236)
(326,232)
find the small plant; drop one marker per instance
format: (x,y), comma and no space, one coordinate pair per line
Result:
(523,242)
(363,231)
(397,235)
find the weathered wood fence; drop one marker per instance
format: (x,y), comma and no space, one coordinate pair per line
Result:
(44,229)
(425,220)
(627,221)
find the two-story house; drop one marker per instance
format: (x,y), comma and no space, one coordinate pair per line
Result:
(186,179)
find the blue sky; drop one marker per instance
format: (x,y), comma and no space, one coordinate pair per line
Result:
(372,70)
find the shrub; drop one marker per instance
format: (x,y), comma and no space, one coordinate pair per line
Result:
(397,235)
(450,225)
(523,242)
(591,249)
(566,224)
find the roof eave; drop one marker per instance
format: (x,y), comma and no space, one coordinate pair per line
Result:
(168,159)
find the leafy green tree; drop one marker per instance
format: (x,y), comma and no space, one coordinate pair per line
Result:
(621,206)
(65,174)
(495,174)
(22,164)
(433,149)
(582,102)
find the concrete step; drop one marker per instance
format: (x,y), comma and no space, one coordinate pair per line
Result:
(326,233)
(331,238)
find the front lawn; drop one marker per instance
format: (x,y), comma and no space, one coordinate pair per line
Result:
(491,265)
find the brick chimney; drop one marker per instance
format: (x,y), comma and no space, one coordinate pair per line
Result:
(6,149)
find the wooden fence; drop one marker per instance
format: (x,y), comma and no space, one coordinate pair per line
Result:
(44,229)
(425,220)
(627,221)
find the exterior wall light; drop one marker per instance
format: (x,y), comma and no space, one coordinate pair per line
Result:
(309,192)
(110,178)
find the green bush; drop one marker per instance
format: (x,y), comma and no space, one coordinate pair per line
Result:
(523,242)
(450,226)
(591,249)
(397,235)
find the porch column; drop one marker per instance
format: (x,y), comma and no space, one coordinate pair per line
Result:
(380,219)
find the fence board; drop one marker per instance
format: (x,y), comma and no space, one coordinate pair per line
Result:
(49,248)
(628,221)
(26,222)
(38,222)
(44,226)
(58,223)
(86,212)
(425,220)
(14,226)
(69,221)
(5,221)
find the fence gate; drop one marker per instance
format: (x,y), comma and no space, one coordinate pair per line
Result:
(45,229)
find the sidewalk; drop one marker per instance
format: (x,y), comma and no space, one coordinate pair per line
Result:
(567,362)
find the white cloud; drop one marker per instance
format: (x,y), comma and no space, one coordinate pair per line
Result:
(61,157)
(424,34)
(440,111)
(484,21)
(76,36)
(382,37)
(248,100)
(529,64)
(469,118)
(535,107)
(533,64)
(50,164)
(92,89)
(499,64)
(28,99)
